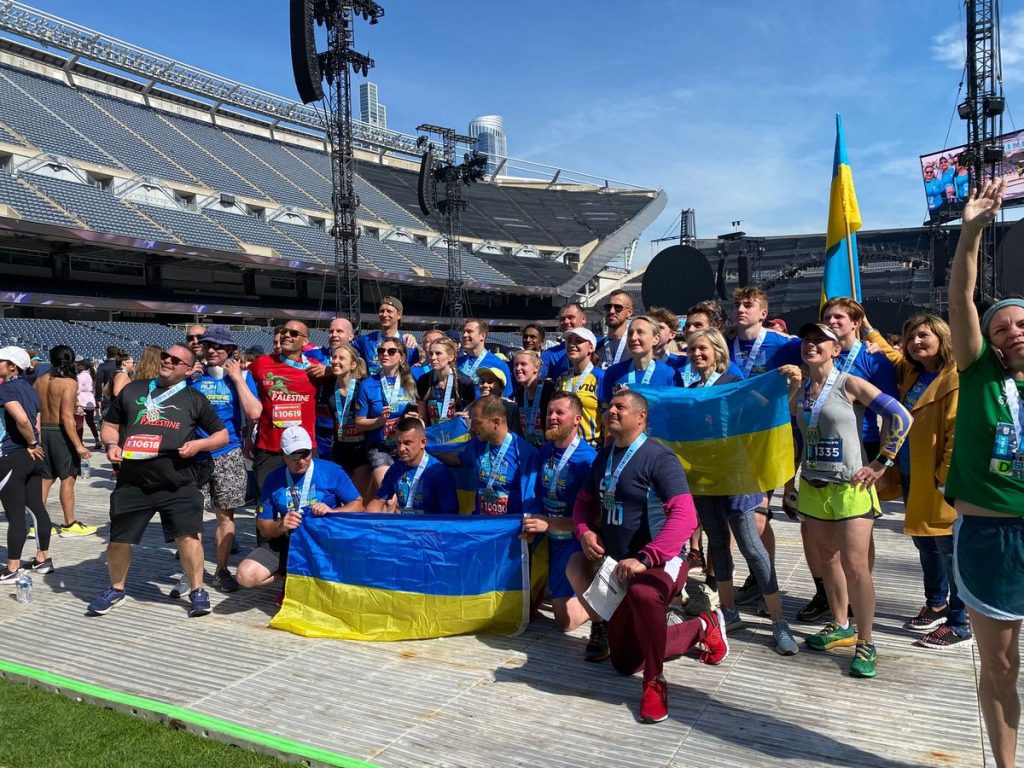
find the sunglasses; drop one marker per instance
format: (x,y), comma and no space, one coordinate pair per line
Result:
(614,307)
(218,347)
(292,333)
(194,337)
(387,350)
(300,454)
(165,356)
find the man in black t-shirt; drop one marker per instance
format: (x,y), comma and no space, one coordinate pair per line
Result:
(636,508)
(158,418)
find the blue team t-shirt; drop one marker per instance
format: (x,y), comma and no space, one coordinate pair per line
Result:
(560,500)
(910,399)
(370,404)
(513,491)
(467,365)
(330,485)
(877,369)
(776,350)
(435,492)
(16,390)
(366,345)
(620,373)
(223,396)
(553,362)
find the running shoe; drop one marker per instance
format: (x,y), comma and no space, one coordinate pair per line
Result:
(815,609)
(108,600)
(762,609)
(9,575)
(31,533)
(46,566)
(731,619)
(946,638)
(200,600)
(749,593)
(674,616)
(224,581)
(597,647)
(654,704)
(927,619)
(714,646)
(705,601)
(785,643)
(76,528)
(832,636)
(180,589)
(695,560)
(865,659)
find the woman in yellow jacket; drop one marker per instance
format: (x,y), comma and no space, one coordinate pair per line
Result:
(929,389)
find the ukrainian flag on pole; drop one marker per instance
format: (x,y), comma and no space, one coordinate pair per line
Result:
(842,268)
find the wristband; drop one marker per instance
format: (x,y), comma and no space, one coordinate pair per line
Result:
(884,460)
(644,560)
(108,446)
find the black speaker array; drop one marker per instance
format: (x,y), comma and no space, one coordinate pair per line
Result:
(425,189)
(305,63)
(743,266)
(940,259)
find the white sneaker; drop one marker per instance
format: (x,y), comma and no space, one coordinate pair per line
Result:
(181,589)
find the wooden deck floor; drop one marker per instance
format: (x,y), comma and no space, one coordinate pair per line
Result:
(487,701)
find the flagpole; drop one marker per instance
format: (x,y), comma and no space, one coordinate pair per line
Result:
(849,260)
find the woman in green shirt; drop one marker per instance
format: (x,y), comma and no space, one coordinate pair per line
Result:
(986,476)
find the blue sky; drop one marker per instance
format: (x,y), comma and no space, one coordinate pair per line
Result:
(728,106)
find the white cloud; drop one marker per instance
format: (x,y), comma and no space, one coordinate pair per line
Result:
(950,47)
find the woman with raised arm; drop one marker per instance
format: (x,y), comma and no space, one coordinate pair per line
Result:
(837,485)
(929,387)
(444,390)
(383,399)
(986,475)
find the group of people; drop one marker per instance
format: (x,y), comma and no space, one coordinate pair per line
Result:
(946,181)
(559,438)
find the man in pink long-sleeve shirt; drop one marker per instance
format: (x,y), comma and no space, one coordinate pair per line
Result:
(636,508)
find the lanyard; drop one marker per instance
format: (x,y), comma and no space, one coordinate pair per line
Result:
(303,492)
(471,370)
(648,372)
(566,455)
(1016,409)
(748,360)
(302,365)
(814,411)
(611,479)
(497,459)
(851,357)
(715,375)
(912,396)
(153,405)
(532,408)
(390,391)
(415,481)
(622,344)
(443,413)
(342,409)
(578,378)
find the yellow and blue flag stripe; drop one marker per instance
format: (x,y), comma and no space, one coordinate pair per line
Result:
(448,437)
(405,577)
(842,265)
(731,439)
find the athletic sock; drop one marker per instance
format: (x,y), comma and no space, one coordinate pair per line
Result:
(819,585)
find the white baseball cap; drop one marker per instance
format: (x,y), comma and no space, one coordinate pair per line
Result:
(16,355)
(584,334)
(295,439)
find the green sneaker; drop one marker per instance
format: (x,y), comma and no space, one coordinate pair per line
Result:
(864,660)
(831,636)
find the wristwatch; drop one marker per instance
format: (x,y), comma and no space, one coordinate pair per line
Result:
(644,560)
(884,460)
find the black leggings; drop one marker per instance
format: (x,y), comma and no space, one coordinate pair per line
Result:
(21,486)
(89,417)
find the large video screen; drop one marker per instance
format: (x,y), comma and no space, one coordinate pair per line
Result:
(945,179)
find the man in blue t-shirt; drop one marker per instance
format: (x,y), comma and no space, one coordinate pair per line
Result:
(505,464)
(475,355)
(554,360)
(565,461)
(221,474)
(756,349)
(389,314)
(416,484)
(302,486)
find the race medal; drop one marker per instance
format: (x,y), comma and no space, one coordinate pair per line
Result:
(141,447)
(1017,466)
(811,438)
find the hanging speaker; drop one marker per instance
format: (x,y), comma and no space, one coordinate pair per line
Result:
(743,267)
(425,190)
(940,259)
(305,64)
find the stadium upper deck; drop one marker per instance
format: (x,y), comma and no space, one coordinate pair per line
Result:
(95,156)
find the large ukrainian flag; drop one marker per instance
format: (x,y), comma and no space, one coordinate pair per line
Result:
(405,577)
(731,439)
(842,266)
(449,436)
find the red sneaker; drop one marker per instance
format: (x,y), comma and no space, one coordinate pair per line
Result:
(714,645)
(654,704)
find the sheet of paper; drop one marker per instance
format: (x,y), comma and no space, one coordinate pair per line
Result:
(606,590)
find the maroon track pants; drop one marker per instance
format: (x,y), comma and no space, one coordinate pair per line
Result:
(637,633)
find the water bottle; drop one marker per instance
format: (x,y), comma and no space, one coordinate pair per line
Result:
(23,583)
(86,469)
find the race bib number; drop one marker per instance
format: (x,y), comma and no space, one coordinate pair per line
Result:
(141,447)
(349,434)
(492,503)
(1003,455)
(286,415)
(555,508)
(389,430)
(825,453)
(434,410)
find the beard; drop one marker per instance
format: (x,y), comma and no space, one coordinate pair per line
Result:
(558,434)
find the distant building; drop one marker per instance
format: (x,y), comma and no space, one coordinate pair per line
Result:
(370,109)
(489,132)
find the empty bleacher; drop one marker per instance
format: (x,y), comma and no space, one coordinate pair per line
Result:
(250,229)
(29,204)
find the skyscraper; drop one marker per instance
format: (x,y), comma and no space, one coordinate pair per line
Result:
(489,132)
(370,109)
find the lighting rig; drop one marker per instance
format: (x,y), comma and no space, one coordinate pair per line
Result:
(440,187)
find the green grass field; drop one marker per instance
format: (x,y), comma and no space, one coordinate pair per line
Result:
(47,730)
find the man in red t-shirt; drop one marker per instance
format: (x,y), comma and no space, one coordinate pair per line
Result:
(287,395)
